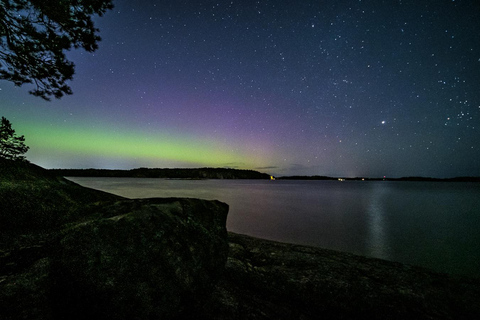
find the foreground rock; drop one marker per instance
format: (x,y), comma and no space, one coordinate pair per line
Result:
(34,203)
(157,258)
(69,252)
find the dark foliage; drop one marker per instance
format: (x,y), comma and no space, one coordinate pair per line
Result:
(11,146)
(34,36)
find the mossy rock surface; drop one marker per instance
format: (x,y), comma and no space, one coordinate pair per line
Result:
(34,202)
(154,260)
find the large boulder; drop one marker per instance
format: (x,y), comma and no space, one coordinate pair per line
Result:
(155,259)
(68,252)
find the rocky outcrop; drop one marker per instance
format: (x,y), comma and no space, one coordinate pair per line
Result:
(153,260)
(34,202)
(156,258)
(69,252)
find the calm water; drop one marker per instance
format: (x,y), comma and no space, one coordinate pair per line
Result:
(436,225)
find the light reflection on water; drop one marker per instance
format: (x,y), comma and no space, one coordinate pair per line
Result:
(436,225)
(377,242)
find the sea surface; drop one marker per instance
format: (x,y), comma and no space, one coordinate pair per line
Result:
(430,224)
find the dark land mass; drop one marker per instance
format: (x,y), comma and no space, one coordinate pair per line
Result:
(224,173)
(426,179)
(200,173)
(69,252)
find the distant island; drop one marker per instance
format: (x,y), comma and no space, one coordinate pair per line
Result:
(227,173)
(199,173)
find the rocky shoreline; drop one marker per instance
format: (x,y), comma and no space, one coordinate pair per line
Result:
(271,280)
(69,252)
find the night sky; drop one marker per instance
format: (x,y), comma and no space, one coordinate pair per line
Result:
(338,88)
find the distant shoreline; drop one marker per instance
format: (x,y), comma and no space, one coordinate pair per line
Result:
(226,173)
(414,179)
(176,173)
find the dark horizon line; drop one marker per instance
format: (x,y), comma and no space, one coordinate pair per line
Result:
(407,178)
(85,172)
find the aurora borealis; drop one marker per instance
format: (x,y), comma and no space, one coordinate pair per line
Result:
(339,88)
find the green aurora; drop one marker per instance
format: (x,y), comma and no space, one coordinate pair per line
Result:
(110,143)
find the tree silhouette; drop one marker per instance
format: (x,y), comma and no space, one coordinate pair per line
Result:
(11,146)
(34,35)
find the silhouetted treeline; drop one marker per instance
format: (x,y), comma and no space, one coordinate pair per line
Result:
(307,178)
(201,173)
